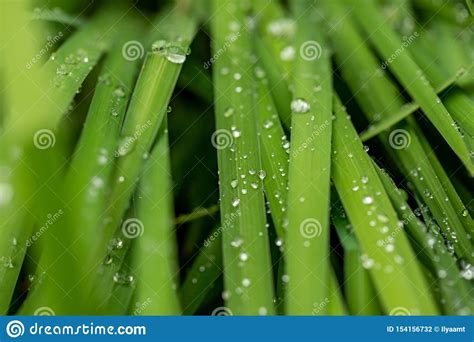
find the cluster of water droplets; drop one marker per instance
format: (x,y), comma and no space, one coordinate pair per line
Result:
(174,52)
(69,66)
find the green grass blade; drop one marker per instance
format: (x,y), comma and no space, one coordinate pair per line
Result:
(412,77)
(335,302)
(76,57)
(88,179)
(247,266)
(430,189)
(309,169)
(274,147)
(456,202)
(407,109)
(155,251)
(204,273)
(359,288)
(376,95)
(432,251)
(469,6)
(144,117)
(275,38)
(393,267)
(117,300)
(57,15)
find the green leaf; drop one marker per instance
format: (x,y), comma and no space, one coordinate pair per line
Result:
(155,250)
(309,169)
(247,265)
(393,267)
(411,76)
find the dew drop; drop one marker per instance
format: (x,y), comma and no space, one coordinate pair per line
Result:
(235,202)
(300,105)
(367,200)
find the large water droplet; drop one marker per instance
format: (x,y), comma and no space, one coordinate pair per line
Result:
(300,105)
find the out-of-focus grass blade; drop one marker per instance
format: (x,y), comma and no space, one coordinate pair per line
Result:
(335,302)
(456,100)
(77,56)
(247,265)
(470,6)
(309,169)
(407,109)
(412,77)
(393,267)
(57,15)
(203,274)
(88,178)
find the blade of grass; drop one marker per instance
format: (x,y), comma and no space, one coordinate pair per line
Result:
(470,6)
(335,303)
(77,56)
(456,291)
(394,267)
(455,99)
(25,124)
(412,77)
(57,15)
(88,178)
(275,38)
(429,187)
(377,96)
(246,254)
(144,117)
(156,261)
(274,147)
(118,300)
(433,251)
(359,289)
(203,274)
(407,109)
(309,169)
(456,202)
